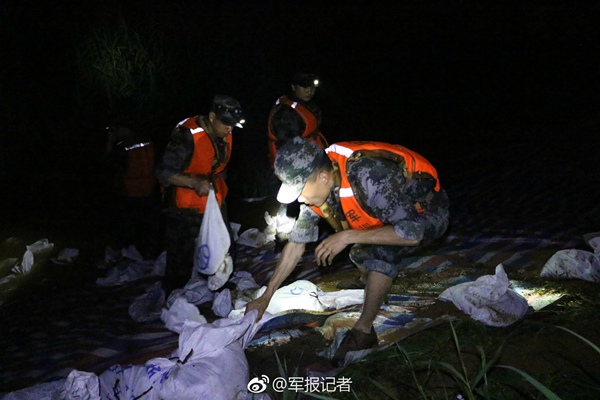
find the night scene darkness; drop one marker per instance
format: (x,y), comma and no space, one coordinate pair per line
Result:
(503,97)
(440,77)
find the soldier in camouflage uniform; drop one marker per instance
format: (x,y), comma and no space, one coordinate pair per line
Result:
(400,210)
(194,162)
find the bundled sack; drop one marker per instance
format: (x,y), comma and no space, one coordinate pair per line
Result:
(210,363)
(212,245)
(576,264)
(213,241)
(300,295)
(178,313)
(488,300)
(35,254)
(77,386)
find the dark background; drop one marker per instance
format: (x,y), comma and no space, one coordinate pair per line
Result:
(443,78)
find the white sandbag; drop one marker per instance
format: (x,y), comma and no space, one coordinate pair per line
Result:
(111,255)
(222,303)
(178,313)
(26,263)
(342,298)
(42,246)
(211,361)
(213,241)
(35,253)
(300,295)
(129,382)
(576,264)
(160,264)
(595,243)
(243,280)
(252,237)
(573,264)
(81,385)
(220,277)
(196,292)
(66,256)
(148,306)
(127,270)
(209,364)
(235,230)
(131,252)
(593,240)
(78,385)
(488,300)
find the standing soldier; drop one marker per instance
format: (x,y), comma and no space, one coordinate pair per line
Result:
(133,156)
(294,115)
(195,161)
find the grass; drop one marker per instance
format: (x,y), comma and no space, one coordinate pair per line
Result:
(464,362)
(552,354)
(290,393)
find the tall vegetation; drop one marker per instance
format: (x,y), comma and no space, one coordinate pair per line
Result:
(122,67)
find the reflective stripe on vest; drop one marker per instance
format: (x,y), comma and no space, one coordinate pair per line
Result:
(137,146)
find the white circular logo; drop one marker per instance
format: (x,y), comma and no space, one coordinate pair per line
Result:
(258,385)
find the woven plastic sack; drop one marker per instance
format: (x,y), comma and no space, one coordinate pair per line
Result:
(213,241)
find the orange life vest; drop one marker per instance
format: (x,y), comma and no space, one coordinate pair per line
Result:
(201,165)
(138,178)
(414,165)
(311,130)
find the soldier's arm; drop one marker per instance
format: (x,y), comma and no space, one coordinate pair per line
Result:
(199,185)
(290,256)
(177,155)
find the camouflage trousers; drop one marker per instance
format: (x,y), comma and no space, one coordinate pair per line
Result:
(388,259)
(181,230)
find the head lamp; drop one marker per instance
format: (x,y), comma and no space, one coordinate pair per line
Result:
(305,79)
(233,116)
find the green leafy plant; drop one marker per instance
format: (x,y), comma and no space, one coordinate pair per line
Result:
(121,65)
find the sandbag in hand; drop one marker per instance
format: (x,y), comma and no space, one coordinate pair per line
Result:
(213,241)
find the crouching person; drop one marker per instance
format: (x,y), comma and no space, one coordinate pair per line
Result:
(383,199)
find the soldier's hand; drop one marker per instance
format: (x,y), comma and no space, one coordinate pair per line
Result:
(329,248)
(201,186)
(259,304)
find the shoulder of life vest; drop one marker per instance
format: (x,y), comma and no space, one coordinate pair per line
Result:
(355,211)
(414,165)
(191,124)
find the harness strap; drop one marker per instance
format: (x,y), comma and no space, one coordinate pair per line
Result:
(339,223)
(394,157)
(329,216)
